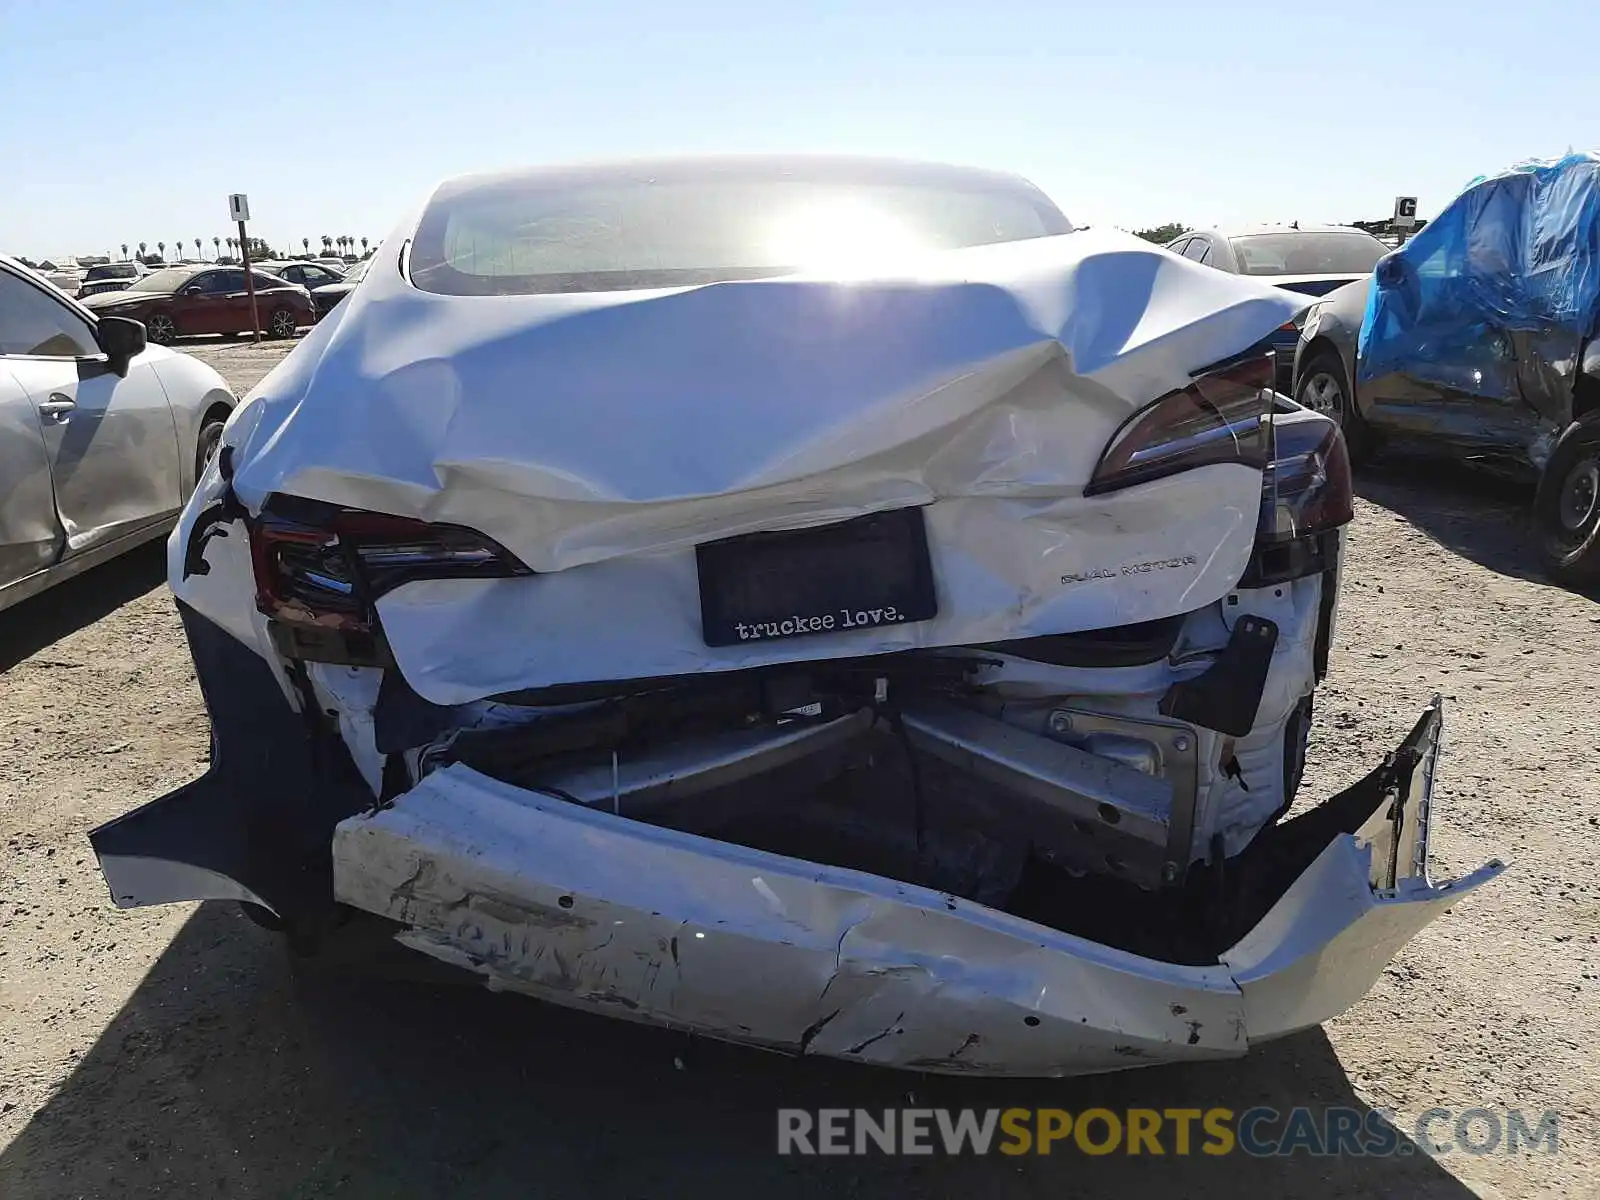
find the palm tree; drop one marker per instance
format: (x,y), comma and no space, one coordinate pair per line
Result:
(216,247)
(363,247)
(141,251)
(162,247)
(198,252)
(305,244)
(124,251)
(327,244)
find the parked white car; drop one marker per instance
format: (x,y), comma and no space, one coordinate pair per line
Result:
(101,437)
(826,604)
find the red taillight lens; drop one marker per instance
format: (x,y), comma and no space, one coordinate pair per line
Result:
(324,565)
(1219,418)
(1307,487)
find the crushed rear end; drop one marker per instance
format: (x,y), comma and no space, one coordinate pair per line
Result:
(928,685)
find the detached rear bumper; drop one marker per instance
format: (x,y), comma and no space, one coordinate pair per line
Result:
(592,910)
(595,911)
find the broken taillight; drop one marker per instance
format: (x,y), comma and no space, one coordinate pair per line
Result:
(324,565)
(1219,418)
(1306,487)
(1307,496)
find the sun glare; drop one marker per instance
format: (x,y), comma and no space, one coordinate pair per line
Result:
(842,237)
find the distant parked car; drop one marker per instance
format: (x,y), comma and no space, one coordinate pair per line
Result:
(310,275)
(179,301)
(1325,362)
(101,438)
(110,277)
(327,297)
(1310,259)
(315,277)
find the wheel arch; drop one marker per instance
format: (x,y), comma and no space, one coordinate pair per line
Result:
(215,405)
(1323,344)
(1585,395)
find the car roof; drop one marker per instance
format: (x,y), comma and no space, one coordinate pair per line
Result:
(194,269)
(1253,230)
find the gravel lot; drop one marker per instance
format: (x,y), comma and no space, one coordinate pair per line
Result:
(181,1051)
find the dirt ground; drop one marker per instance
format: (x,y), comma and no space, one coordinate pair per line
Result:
(181,1051)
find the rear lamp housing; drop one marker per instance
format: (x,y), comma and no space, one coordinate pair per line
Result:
(323,567)
(1221,417)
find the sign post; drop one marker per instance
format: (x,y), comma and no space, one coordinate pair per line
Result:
(239,210)
(1405,216)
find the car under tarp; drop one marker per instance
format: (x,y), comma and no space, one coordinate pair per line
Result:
(1498,295)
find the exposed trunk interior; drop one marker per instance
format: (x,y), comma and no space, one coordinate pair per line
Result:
(850,783)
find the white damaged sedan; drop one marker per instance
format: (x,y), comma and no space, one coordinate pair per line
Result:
(826,604)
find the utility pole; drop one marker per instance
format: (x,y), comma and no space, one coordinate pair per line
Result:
(239,210)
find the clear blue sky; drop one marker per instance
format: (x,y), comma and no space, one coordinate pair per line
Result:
(126,121)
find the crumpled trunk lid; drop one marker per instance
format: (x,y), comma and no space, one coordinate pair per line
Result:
(600,438)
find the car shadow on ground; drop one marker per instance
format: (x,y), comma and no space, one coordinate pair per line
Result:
(216,341)
(234,1070)
(42,620)
(1481,516)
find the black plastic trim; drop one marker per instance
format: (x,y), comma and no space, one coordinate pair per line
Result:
(263,814)
(1227,697)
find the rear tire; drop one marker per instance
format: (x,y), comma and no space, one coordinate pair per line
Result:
(206,447)
(282,323)
(301,942)
(265,918)
(1567,507)
(1296,738)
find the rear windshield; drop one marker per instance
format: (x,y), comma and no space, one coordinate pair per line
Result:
(531,235)
(1353,253)
(112,271)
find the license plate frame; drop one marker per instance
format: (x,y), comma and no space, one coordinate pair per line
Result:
(867,572)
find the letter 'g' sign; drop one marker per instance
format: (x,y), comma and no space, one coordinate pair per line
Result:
(238,207)
(1405,211)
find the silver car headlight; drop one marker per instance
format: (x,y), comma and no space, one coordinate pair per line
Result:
(1308,322)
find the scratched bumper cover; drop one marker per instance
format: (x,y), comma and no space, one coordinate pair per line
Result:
(595,911)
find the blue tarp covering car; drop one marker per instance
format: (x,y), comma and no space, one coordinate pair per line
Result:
(1500,293)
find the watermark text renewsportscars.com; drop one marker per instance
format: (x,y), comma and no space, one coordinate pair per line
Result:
(1258,1132)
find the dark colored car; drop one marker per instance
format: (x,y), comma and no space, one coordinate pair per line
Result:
(309,275)
(1464,421)
(179,301)
(326,298)
(110,277)
(315,277)
(1312,260)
